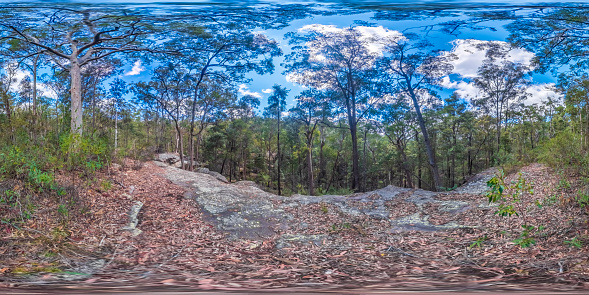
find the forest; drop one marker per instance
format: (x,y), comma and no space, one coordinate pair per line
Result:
(366,118)
(288,102)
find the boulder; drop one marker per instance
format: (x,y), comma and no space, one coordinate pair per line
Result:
(216,175)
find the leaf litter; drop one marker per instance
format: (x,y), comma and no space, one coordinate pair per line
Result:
(179,248)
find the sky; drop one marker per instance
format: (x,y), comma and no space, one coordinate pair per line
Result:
(463,46)
(465,67)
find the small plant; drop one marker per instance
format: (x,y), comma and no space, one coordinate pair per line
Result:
(574,242)
(549,201)
(563,184)
(478,242)
(511,204)
(62,210)
(525,239)
(582,199)
(507,203)
(324,208)
(340,227)
(105,185)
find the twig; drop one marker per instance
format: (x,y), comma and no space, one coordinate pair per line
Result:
(391,248)
(146,274)
(117,182)
(173,256)
(112,257)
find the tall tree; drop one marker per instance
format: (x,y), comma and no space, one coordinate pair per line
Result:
(170,89)
(277,105)
(74,38)
(311,109)
(500,84)
(413,71)
(7,82)
(220,52)
(118,90)
(340,60)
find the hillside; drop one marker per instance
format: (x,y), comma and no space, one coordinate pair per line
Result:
(196,231)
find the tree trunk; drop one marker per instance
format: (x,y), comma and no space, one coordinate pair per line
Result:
(428,145)
(76,97)
(310,180)
(355,166)
(116,127)
(322,165)
(278,156)
(35,60)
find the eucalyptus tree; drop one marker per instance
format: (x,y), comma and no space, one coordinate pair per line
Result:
(557,35)
(93,76)
(500,84)
(73,38)
(312,108)
(30,60)
(413,71)
(169,88)
(277,105)
(397,124)
(455,117)
(222,52)
(7,82)
(118,90)
(342,61)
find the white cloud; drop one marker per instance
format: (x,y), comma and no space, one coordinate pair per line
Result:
(244,90)
(463,89)
(470,54)
(541,92)
(19,75)
(374,39)
(136,70)
(267,91)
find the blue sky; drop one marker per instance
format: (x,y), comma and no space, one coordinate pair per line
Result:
(260,84)
(460,44)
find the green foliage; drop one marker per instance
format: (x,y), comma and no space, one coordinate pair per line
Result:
(339,227)
(479,242)
(62,210)
(574,242)
(510,204)
(84,153)
(324,208)
(565,151)
(507,203)
(526,237)
(582,199)
(105,185)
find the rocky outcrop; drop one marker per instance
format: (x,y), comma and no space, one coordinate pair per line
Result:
(244,211)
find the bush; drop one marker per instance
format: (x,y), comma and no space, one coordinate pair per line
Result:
(565,151)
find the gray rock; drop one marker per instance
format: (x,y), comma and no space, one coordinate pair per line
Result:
(168,158)
(286,241)
(217,175)
(133,219)
(244,211)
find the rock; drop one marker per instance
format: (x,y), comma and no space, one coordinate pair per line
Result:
(133,219)
(477,184)
(247,183)
(168,158)
(244,211)
(290,240)
(217,175)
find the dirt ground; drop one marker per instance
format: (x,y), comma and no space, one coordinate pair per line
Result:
(323,249)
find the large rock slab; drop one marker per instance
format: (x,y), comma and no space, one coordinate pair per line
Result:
(244,211)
